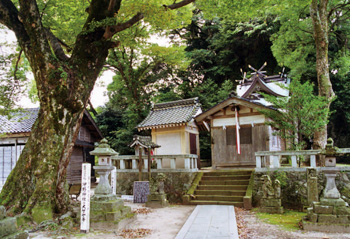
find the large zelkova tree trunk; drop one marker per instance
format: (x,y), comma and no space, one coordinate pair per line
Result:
(37,185)
(319,15)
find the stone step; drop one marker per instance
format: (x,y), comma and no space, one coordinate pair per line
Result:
(226,177)
(202,202)
(222,187)
(224,182)
(222,173)
(219,198)
(221,192)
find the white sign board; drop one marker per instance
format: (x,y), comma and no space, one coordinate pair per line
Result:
(85,197)
(114,181)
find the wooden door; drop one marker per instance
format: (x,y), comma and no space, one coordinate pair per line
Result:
(193,144)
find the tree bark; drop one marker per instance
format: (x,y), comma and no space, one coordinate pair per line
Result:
(319,15)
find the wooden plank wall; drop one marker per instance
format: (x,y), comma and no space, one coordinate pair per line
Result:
(225,155)
(74,166)
(85,135)
(8,158)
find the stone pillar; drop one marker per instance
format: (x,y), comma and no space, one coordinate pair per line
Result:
(294,161)
(187,163)
(312,189)
(122,164)
(173,163)
(159,163)
(276,161)
(134,164)
(258,161)
(313,161)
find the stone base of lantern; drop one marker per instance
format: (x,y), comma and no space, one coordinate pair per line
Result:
(106,211)
(157,201)
(328,215)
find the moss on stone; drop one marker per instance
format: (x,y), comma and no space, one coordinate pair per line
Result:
(41,213)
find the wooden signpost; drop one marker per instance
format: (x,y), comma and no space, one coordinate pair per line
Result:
(85,198)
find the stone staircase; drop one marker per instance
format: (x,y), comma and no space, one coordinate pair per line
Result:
(222,188)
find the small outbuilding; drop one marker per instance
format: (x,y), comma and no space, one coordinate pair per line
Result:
(15,133)
(238,129)
(173,127)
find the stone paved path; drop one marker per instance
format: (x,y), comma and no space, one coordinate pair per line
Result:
(210,222)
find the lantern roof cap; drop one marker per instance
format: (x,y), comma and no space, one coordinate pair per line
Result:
(103,149)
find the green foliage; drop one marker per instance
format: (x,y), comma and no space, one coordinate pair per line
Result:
(13,70)
(299,116)
(218,49)
(282,177)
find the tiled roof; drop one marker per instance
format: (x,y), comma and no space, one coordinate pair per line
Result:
(172,113)
(21,122)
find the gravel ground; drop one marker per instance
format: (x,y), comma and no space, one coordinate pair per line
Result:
(164,223)
(253,228)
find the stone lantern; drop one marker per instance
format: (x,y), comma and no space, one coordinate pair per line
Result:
(104,167)
(106,209)
(332,213)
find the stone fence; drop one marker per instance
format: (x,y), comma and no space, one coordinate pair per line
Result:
(275,158)
(174,162)
(272,159)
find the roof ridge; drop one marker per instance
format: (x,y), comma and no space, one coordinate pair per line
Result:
(190,101)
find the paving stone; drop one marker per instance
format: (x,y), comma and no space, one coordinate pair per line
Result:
(217,222)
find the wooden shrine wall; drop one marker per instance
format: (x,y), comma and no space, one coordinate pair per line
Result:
(224,152)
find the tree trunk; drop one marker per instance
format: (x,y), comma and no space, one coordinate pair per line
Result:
(37,185)
(319,15)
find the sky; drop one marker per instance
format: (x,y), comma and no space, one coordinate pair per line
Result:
(99,94)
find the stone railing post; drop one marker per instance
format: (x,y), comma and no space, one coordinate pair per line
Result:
(173,163)
(313,161)
(276,161)
(145,163)
(187,163)
(258,161)
(294,161)
(192,163)
(122,164)
(159,163)
(134,164)
(195,163)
